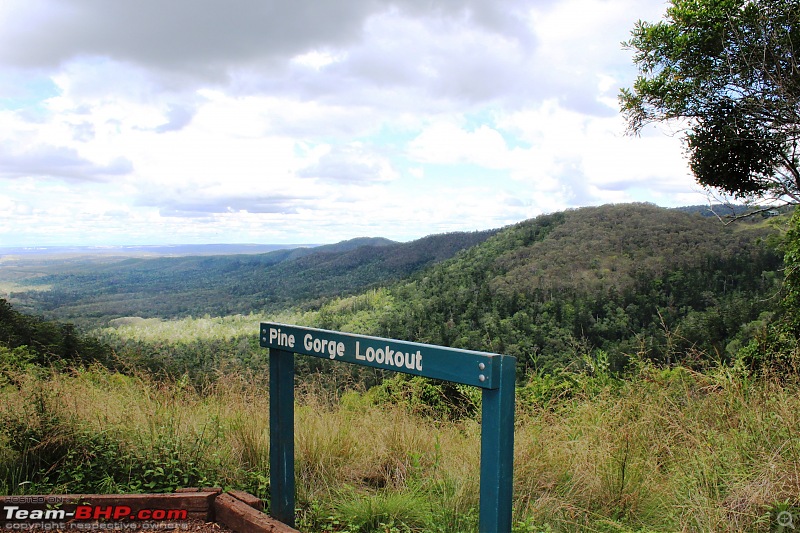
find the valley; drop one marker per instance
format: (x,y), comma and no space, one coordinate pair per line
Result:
(644,340)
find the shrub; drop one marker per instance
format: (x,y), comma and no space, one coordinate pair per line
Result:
(427,397)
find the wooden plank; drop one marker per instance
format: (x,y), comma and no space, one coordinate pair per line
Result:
(217,490)
(240,517)
(497,452)
(281,435)
(249,499)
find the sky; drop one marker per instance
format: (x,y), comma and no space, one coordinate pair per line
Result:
(315,121)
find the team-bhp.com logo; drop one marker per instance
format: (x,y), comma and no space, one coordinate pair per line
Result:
(91,517)
(89,512)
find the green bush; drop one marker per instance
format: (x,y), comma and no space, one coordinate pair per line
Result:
(427,397)
(15,362)
(47,451)
(773,351)
(791,284)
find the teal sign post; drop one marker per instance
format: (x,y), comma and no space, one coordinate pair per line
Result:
(495,374)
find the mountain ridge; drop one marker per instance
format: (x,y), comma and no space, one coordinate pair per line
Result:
(225,284)
(629,280)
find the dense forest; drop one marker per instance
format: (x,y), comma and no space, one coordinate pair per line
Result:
(613,312)
(615,281)
(618,283)
(90,291)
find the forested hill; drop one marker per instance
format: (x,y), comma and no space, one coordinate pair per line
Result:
(611,281)
(91,293)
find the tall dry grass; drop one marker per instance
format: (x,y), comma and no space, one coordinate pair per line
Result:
(671,451)
(668,451)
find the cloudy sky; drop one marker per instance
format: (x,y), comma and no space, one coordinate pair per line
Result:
(313,121)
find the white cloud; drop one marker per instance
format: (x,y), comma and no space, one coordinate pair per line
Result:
(316,59)
(446,143)
(258,120)
(350,164)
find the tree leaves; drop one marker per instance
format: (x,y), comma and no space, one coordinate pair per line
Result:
(727,69)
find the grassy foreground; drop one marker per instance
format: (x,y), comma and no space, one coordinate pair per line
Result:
(667,451)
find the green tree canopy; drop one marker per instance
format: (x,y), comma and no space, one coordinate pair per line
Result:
(727,70)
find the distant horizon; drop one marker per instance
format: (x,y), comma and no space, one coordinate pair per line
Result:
(155,249)
(4,248)
(162,245)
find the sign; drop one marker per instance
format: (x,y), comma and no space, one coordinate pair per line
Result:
(495,374)
(449,364)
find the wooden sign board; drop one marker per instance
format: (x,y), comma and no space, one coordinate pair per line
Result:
(448,364)
(495,374)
